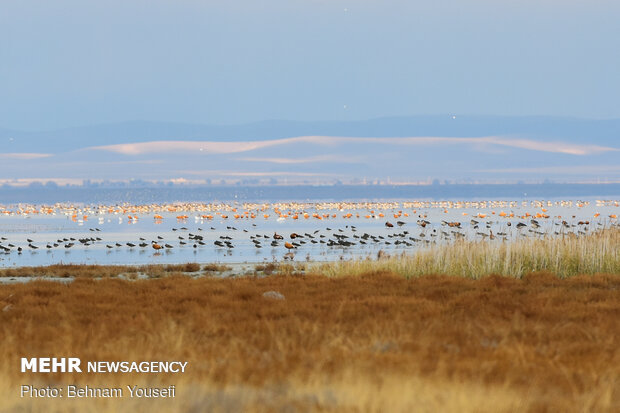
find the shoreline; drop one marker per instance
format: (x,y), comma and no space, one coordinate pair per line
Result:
(565,256)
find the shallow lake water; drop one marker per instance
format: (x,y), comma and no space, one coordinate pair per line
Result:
(344,231)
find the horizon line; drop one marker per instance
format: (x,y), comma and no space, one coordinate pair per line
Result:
(252,122)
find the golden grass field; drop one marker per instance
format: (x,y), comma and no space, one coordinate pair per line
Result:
(354,337)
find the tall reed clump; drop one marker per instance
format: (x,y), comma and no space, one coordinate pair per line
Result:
(564,256)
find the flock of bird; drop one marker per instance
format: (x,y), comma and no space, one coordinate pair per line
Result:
(313,228)
(404,232)
(282,210)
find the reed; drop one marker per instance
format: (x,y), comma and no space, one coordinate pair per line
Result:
(565,256)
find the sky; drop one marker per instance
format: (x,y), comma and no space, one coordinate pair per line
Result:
(67,63)
(168,90)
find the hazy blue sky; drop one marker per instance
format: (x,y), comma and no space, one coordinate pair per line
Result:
(76,62)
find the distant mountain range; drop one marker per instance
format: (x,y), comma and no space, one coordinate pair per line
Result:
(600,132)
(462,149)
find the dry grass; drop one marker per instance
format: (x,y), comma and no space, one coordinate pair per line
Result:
(110,271)
(373,342)
(267,269)
(565,256)
(216,268)
(71,270)
(187,267)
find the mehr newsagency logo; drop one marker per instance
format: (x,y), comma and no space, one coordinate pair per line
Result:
(74,365)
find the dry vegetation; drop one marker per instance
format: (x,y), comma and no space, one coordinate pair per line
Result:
(373,342)
(111,271)
(565,256)
(267,269)
(215,268)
